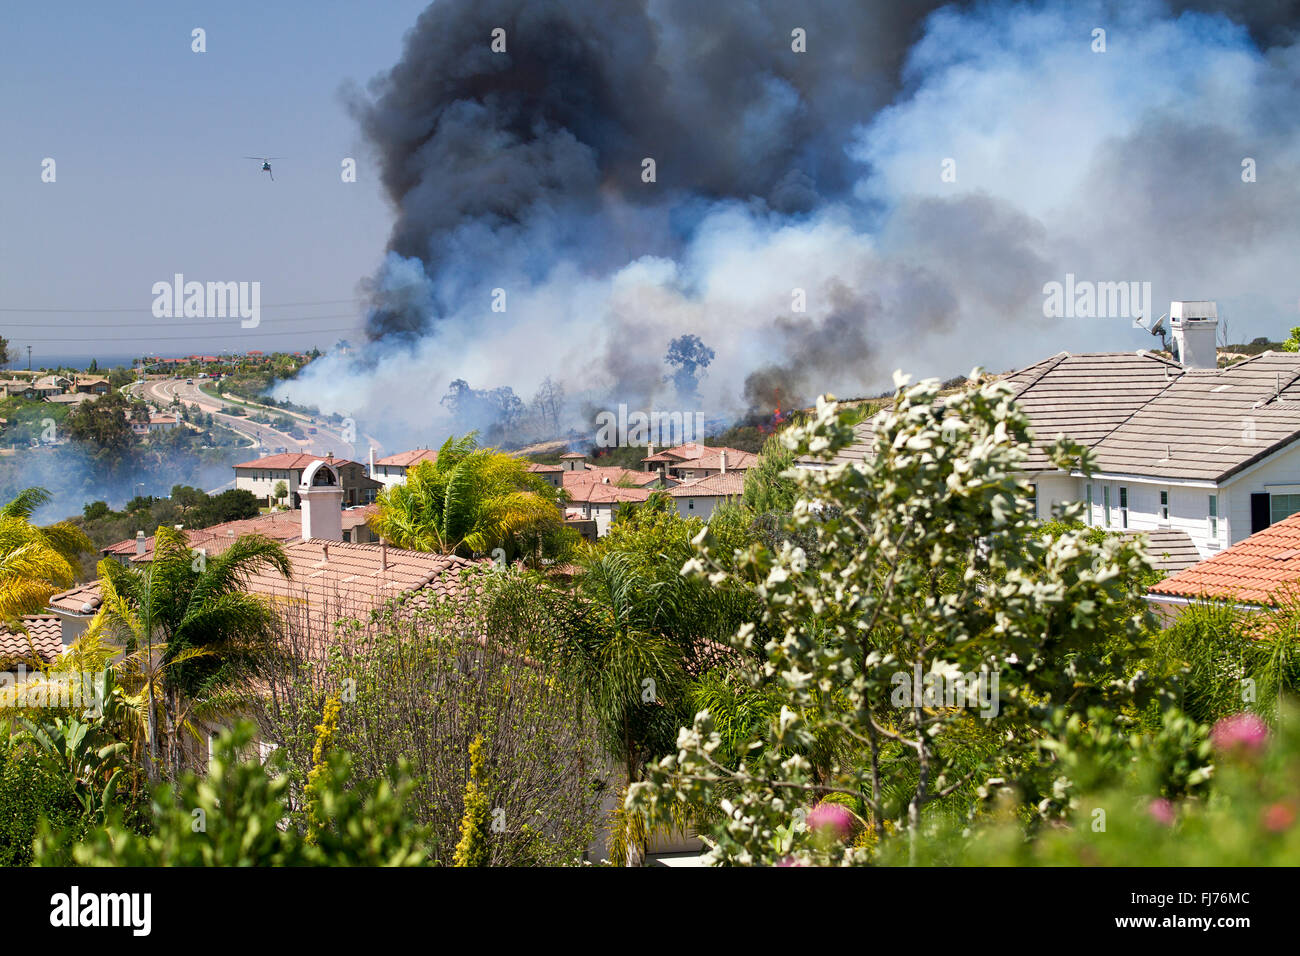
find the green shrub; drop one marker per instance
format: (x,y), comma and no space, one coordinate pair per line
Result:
(29,787)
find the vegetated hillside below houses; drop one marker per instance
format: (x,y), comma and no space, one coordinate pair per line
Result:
(1196,456)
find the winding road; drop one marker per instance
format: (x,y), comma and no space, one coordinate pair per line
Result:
(262,439)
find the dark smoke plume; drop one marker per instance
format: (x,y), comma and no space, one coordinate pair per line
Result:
(483,152)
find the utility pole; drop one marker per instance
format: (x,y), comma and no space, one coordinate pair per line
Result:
(29,358)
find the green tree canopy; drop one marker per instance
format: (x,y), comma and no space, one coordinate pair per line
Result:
(468,501)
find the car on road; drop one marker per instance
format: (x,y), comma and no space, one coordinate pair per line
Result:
(189,381)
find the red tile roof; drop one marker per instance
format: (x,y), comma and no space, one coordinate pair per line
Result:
(704,456)
(281,526)
(83,599)
(292,460)
(1259,570)
(544,469)
(405,459)
(594,492)
(277,525)
(41,644)
(711,486)
(356,578)
(609,474)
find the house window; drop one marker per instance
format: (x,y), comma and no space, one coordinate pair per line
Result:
(1123,507)
(1164,506)
(1282,506)
(1033,500)
(690,504)
(1090,519)
(1214,516)
(1105,503)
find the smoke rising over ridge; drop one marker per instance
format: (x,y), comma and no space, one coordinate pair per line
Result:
(818,173)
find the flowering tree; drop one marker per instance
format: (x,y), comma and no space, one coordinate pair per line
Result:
(935,635)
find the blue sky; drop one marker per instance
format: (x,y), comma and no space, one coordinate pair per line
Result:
(149,139)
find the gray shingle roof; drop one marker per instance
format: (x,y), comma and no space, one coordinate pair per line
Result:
(1143,414)
(1171,551)
(1210,425)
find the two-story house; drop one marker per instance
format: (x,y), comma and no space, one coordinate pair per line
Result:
(263,475)
(1182,449)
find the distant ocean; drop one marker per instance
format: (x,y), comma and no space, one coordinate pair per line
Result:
(18,360)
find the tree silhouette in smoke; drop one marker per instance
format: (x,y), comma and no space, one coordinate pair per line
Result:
(689,357)
(492,412)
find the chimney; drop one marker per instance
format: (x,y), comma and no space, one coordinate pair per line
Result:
(650,453)
(383,554)
(325,550)
(1195,326)
(322,502)
(371,472)
(139,542)
(724,462)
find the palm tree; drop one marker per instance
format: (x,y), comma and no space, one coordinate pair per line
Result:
(193,637)
(468,501)
(35,561)
(633,675)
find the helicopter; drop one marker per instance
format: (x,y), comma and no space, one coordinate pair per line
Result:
(266,164)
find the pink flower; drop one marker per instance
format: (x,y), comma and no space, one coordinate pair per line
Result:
(832,820)
(1278,817)
(1162,811)
(1240,732)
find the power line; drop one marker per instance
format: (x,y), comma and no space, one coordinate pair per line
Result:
(278,305)
(122,325)
(221,335)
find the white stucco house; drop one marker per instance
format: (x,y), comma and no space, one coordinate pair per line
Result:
(263,475)
(700,497)
(1196,456)
(391,470)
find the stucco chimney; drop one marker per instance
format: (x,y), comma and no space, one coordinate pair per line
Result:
(139,542)
(650,453)
(1195,327)
(723,462)
(322,502)
(371,472)
(383,554)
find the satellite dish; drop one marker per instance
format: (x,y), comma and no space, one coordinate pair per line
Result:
(1158,327)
